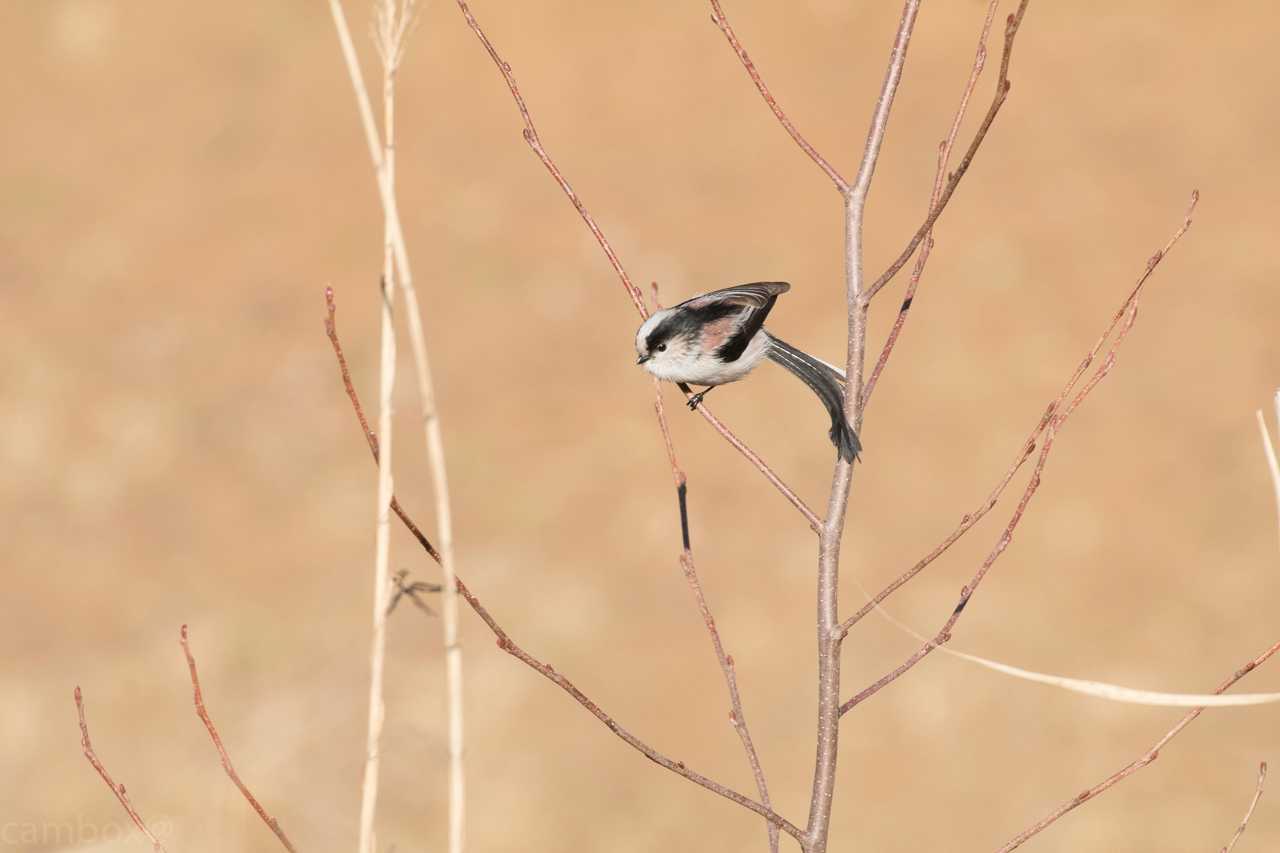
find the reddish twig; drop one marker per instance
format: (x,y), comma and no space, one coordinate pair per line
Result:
(116,788)
(737,716)
(944,158)
(1253,804)
(718,18)
(203,714)
(637,298)
(1134,766)
(508,645)
(1059,410)
(331,329)
(1002,92)
(678,767)
(535,143)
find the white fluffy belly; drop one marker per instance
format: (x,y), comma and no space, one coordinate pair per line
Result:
(706,369)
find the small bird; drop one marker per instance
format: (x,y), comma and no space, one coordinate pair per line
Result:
(719,337)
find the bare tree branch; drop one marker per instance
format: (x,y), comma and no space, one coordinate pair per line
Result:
(116,788)
(1134,766)
(1253,804)
(737,717)
(508,645)
(203,714)
(1002,92)
(1059,410)
(637,298)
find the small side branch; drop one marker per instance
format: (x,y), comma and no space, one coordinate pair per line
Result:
(1253,804)
(939,180)
(1071,396)
(720,20)
(116,788)
(1134,766)
(1002,92)
(737,717)
(203,714)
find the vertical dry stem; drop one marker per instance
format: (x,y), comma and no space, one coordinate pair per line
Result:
(393,26)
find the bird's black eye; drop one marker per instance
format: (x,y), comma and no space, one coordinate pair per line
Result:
(662,347)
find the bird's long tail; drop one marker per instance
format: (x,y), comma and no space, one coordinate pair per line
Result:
(828,383)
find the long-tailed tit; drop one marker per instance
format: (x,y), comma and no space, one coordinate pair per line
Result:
(719,337)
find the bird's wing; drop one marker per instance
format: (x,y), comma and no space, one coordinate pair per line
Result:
(757,294)
(752,301)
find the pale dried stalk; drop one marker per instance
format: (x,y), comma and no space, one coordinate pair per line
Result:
(434,438)
(394,24)
(737,717)
(1270,450)
(1253,804)
(203,713)
(116,788)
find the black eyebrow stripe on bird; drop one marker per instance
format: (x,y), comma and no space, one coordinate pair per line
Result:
(688,323)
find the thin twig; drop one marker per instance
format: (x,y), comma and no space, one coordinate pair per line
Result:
(331,329)
(1253,804)
(737,717)
(1134,766)
(508,645)
(116,788)
(678,767)
(203,714)
(633,293)
(940,176)
(1058,412)
(1002,92)
(720,20)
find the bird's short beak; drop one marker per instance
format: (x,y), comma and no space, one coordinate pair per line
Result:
(642,359)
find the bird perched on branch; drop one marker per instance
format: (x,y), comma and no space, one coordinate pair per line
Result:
(719,337)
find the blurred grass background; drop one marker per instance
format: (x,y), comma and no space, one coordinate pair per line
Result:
(182,180)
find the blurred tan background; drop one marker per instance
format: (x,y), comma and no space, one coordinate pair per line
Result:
(181,180)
